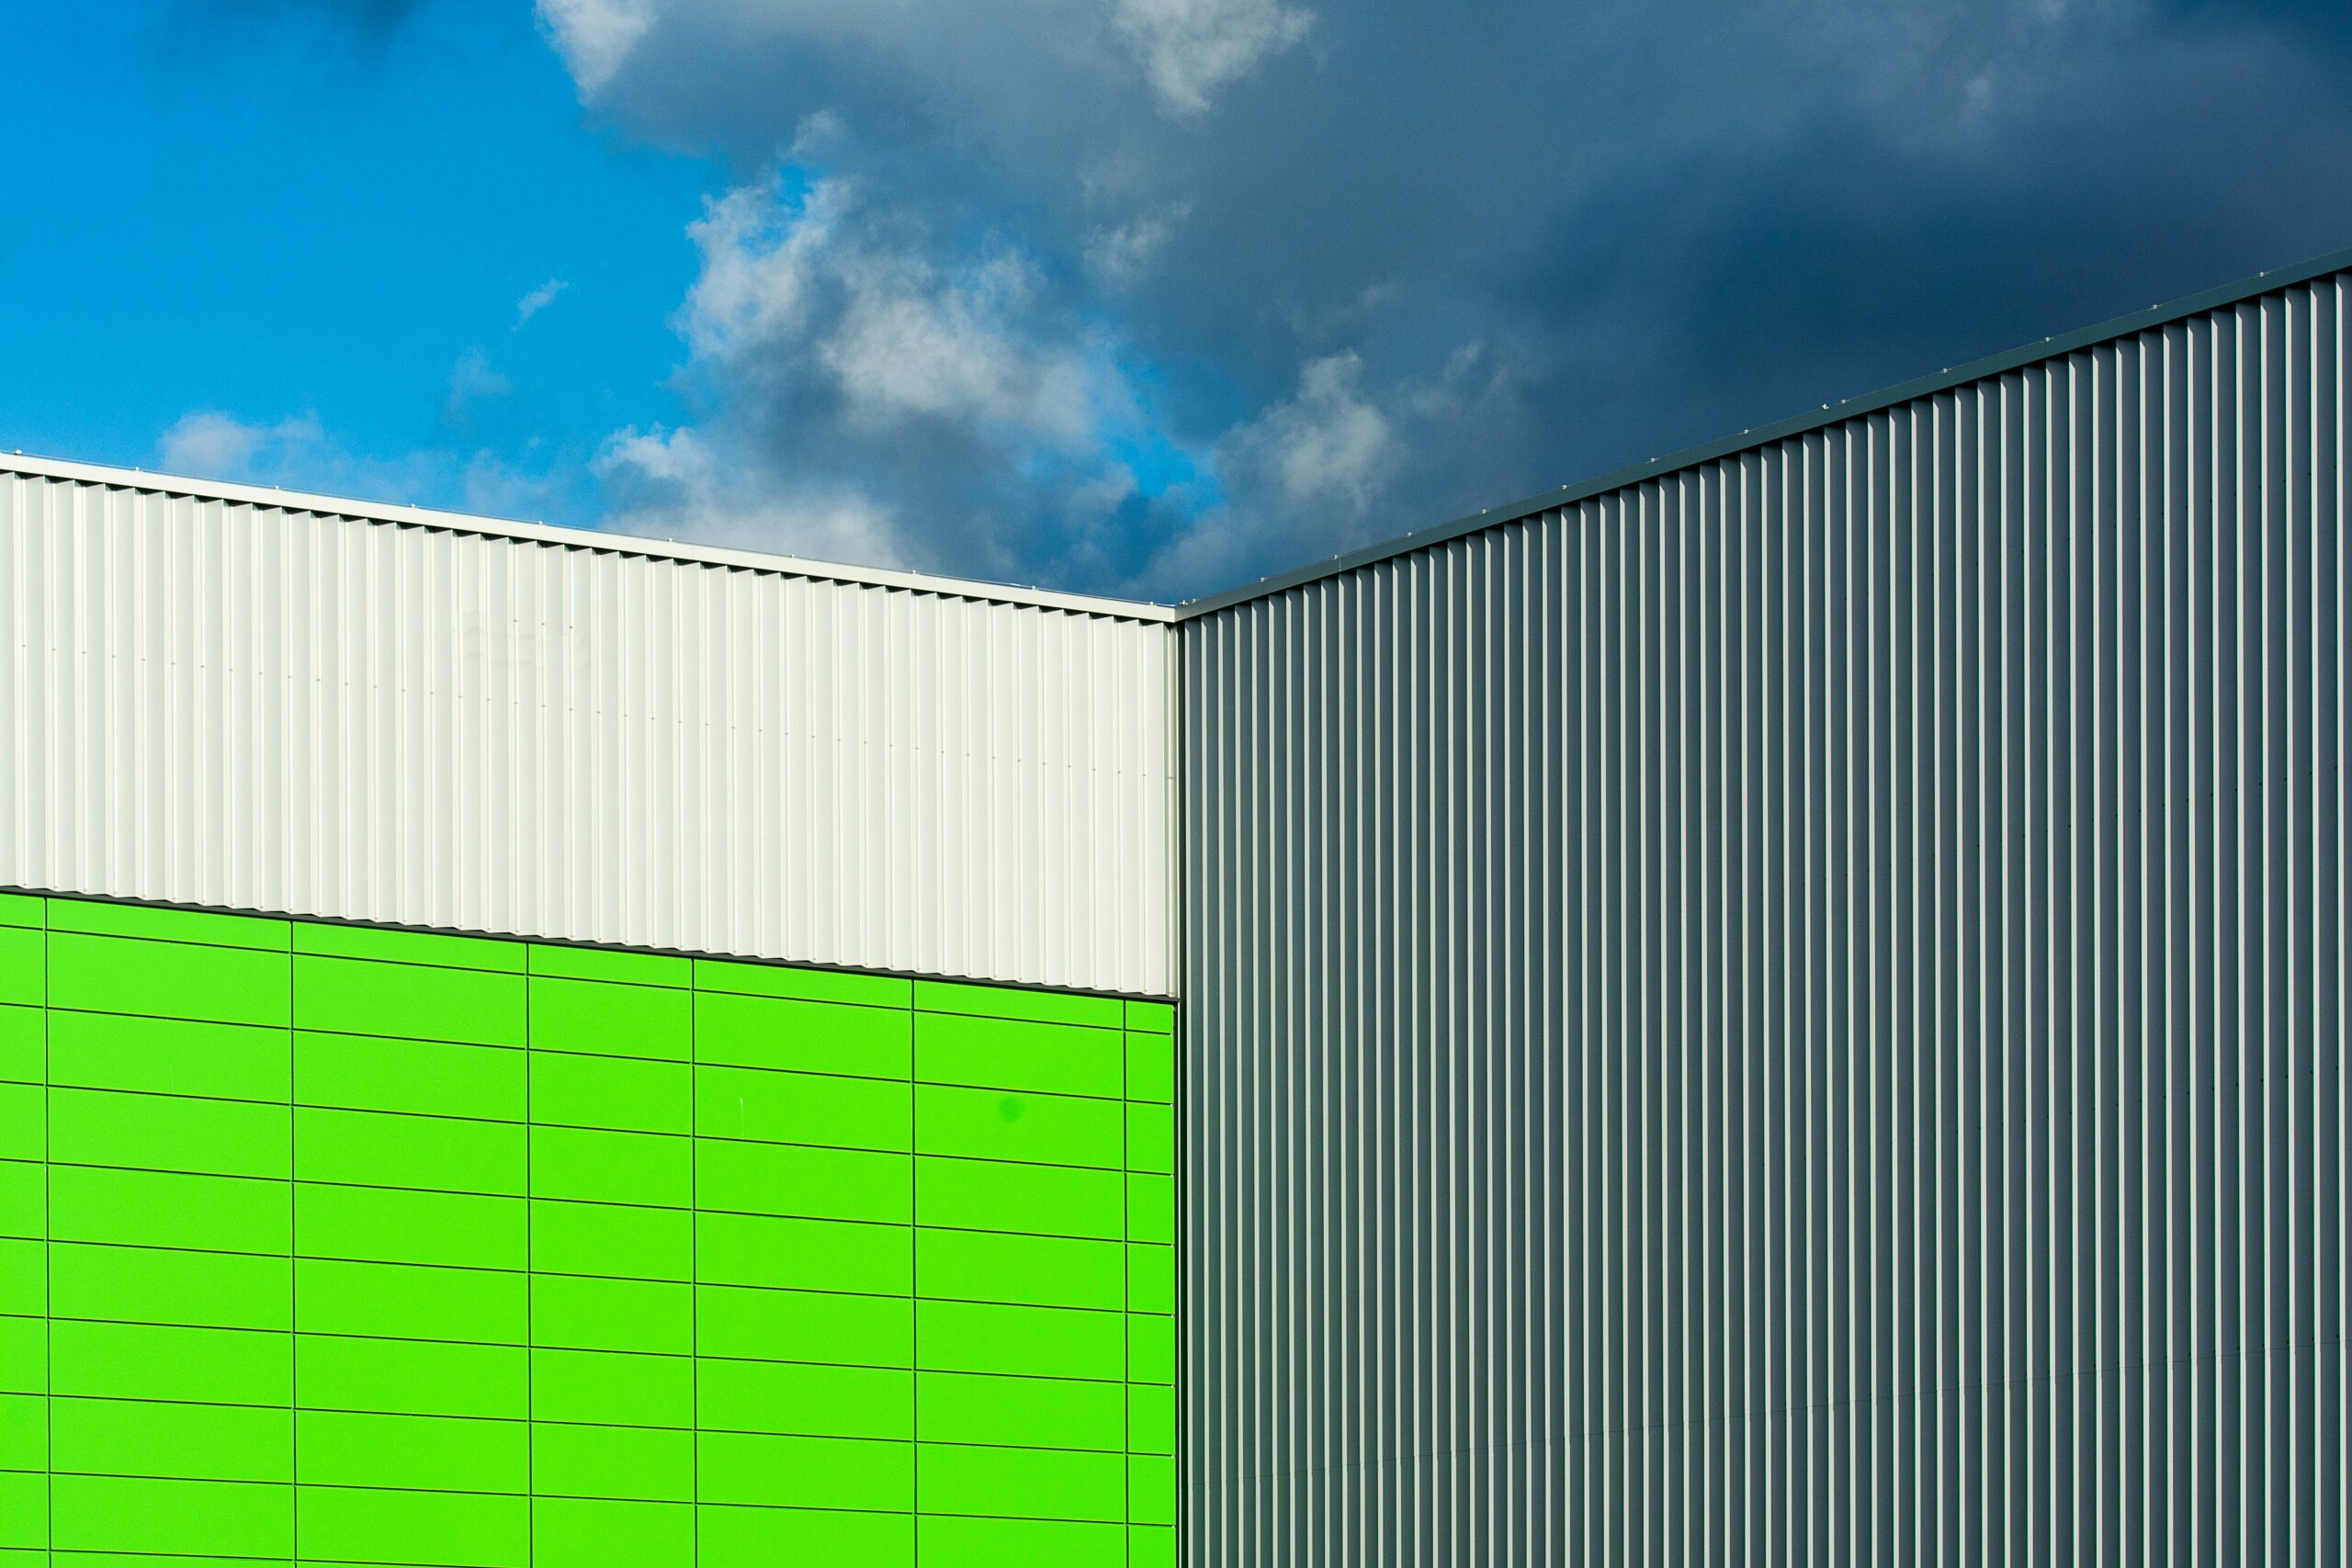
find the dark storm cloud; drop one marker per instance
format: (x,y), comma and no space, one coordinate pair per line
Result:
(1306,275)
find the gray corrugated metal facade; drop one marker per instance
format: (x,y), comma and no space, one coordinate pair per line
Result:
(1793,1009)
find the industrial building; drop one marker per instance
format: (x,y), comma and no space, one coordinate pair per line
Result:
(1786,1004)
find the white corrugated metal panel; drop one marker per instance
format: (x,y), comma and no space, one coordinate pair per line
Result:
(214,701)
(1793,1010)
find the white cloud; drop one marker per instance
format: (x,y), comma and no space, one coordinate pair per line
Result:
(537,299)
(208,444)
(828,287)
(1121,254)
(472,380)
(1327,441)
(595,36)
(672,484)
(1189,49)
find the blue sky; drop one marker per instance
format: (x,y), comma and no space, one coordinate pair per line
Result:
(1145,296)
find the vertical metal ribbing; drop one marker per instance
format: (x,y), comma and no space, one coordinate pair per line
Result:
(1793,1012)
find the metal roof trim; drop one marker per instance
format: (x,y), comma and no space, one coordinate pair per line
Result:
(578,538)
(1658,468)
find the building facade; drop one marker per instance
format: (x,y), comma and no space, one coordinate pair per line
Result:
(1785,1006)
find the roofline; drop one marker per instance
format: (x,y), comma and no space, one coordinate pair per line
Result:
(578,538)
(1747,440)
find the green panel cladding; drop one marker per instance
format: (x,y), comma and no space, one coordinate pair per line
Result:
(338,1245)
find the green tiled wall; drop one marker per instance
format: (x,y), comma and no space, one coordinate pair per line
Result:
(328,1245)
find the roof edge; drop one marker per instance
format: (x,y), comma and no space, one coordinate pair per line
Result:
(2138,321)
(630,544)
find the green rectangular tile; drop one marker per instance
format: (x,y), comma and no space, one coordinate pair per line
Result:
(1151,1138)
(375,1148)
(368,1072)
(22,909)
(993,1053)
(1028,1484)
(1044,1129)
(612,1314)
(1151,1068)
(1151,1208)
(802,1108)
(445,1453)
(1151,1348)
(973,1194)
(24,1046)
(1151,1420)
(189,1442)
(1151,1018)
(24,1519)
(604,1388)
(140,1208)
(1152,1489)
(1021,1412)
(764,1537)
(169,1056)
(1007,1001)
(141,1284)
(655,1169)
(1021,1543)
(23,1115)
(595,1018)
(350,1525)
(1151,1278)
(804,1400)
(24,1355)
(24,1276)
(804,1326)
(25,1208)
(353,996)
(579,1533)
(203,926)
(218,1365)
(428,949)
(971,1337)
(976,1266)
(803,1036)
(807,985)
(806,1472)
(411,1302)
(22,966)
(195,1518)
(24,1431)
(613,1239)
(386,1224)
(609,963)
(645,1463)
(401,1377)
(804,1254)
(162,1131)
(612,1092)
(810,1183)
(1151,1546)
(166,979)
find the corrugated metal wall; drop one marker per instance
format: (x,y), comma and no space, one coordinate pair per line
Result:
(1793,1012)
(220,702)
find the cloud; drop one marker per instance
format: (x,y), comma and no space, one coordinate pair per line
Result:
(472,380)
(1112,294)
(671,484)
(1191,48)
(537,299)
(594,36)
(208,444)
